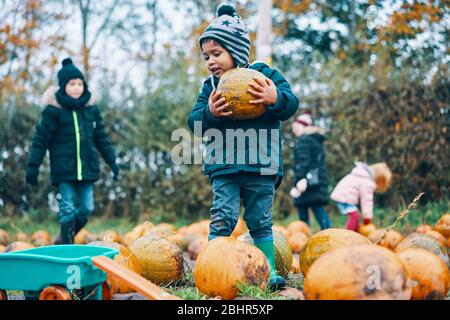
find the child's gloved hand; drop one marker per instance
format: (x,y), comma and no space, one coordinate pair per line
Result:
(295,193)
(302,185)
(264,91)
(217,105)
(32,175)
(367,221)
(115,169)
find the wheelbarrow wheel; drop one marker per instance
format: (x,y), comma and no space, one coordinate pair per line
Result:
(55,293)
(107,291)
(3,295)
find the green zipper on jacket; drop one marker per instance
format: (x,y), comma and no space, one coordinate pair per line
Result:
(77,137)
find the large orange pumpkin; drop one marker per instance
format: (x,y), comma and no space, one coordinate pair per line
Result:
(390,240)
(18,245)
(233,85)
(297,241)
(419,240)
(366,229)
(298,226)
(126,258)
(359,272)
(438,236)
(327,240)
(423,228)
(224,263)
(443,225)
(161,261)
(430,275)
(41,238)
(4,237)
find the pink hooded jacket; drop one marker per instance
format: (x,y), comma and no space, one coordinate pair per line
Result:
(357,187)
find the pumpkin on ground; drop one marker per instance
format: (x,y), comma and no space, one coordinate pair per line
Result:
(390,240)
(281,230)
(327,240)
(224,263)
(4,237)
(419,240)
(298,226)
(84,236)
(41,238)
(126,258)
(196,246)
(2,248)
(423,228)
(111,236)
(366,229)
(430,276)
(283,252)
(443,225)
(18,245)
(359,272)
(161,261)
(297,241)
(129,237)
(22,236)
(438,236)
(233,85)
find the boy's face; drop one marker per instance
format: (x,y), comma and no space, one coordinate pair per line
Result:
(75,88)
(218,60)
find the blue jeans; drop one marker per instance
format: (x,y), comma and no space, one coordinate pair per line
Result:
(77,201)
(319,212)
(257,193)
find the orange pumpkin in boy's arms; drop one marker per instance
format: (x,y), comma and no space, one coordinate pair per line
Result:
(233,85)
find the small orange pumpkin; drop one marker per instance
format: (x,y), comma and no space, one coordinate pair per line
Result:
(4,237)
(18,245)
(443,225)
(390,240)
(298,226)
(430,275)
(438,236)
(297,241)
(424,228)
(366,229)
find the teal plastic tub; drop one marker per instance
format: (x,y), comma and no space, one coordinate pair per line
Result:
(32,270)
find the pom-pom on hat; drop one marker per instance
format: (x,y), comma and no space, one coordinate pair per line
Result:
(68,72)
(230,31)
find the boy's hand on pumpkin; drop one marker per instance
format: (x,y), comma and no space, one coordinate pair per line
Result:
(217,105)
(264,90)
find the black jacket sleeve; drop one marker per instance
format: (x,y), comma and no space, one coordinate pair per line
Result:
(302,158)
(102,140)
(43,135)
(200,112)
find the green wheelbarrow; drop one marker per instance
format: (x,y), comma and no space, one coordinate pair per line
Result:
(69,272)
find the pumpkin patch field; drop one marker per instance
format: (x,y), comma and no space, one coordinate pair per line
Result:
(335,263)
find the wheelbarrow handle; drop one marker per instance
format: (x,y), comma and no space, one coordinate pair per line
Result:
(137,282)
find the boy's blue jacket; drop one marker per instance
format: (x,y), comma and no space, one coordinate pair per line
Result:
(262,155)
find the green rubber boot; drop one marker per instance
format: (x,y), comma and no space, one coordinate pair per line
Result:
(276,282)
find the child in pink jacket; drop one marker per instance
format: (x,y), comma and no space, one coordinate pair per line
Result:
(358,187)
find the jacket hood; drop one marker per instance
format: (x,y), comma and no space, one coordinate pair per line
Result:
(49,98)
(361,169)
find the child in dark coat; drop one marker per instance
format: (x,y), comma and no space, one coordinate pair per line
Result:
(72,130)
(225,45)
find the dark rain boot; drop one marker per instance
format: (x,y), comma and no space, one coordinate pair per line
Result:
(276,282)
(67,232)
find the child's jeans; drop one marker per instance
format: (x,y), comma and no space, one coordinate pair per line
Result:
(352,213)
(77,202)
(319,212)
(257,193)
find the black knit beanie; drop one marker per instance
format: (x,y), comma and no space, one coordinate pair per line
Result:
(67,73)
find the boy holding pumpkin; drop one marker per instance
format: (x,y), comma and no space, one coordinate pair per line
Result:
(225,45)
